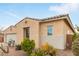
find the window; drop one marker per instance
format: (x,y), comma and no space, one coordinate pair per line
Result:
(49,30)
(26,32)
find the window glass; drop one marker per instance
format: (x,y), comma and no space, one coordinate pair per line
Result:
(49,30)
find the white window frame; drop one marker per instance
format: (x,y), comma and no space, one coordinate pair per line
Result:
(48,33)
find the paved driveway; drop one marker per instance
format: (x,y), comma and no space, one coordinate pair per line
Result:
(13,52)
(65,53)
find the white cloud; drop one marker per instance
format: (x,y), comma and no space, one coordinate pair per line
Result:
(64,8)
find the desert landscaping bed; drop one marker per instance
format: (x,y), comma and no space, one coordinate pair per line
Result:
(13,52)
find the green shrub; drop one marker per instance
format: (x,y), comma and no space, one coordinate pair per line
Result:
(28,45)
(75,47)
(52,51)
(75,36)
(18,47)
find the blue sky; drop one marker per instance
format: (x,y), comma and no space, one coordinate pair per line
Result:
(10,14)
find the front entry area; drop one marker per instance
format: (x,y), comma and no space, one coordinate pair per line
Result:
(26,32)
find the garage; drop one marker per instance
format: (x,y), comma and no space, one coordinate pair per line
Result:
(10,37)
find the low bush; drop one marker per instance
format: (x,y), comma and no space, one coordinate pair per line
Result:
(44,51)
(50,50)
(18,47)
(75,36)
(28,45)
(38,52)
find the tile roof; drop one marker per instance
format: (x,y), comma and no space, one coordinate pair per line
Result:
(54,17)
(50,18)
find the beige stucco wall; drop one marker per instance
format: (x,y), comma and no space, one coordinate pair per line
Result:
(60,31)
(34,30)
(57,39)
(10,29)
(68,29)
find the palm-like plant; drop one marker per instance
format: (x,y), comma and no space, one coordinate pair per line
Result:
(75,47)
(75,44)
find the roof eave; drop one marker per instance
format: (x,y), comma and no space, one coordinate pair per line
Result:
(70,23)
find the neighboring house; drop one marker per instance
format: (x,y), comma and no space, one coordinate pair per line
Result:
(1,37)
(56,31)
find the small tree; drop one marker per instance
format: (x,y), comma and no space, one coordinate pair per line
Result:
(75,36)
(75,47)
(28,45)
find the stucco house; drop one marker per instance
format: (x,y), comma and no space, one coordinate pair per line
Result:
(1,37)
(56,31)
